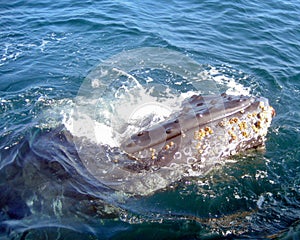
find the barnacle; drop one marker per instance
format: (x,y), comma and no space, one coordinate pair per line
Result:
(222,123)
(233,120)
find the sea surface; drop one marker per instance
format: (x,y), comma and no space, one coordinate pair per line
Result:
(47,51)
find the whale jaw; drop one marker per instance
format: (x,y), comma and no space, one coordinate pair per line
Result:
(206,129)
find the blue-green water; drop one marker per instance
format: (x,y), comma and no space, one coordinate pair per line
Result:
(47,48)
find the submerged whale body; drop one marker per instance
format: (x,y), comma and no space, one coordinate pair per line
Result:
(206,129)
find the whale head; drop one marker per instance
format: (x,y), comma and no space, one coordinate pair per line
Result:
(206,128)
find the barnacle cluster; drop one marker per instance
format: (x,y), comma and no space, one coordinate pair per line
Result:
(169,145)
(200,135)
(240,131)
(153,153)
(250,126)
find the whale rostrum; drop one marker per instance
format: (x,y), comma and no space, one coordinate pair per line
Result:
(207,128)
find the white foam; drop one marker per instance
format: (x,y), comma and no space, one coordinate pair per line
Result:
(105,135)
(159,111)
(233,87)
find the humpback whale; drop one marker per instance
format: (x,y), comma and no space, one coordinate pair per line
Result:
(207,128)
(202,133)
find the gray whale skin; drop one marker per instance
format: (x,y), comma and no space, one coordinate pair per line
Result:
(207,128)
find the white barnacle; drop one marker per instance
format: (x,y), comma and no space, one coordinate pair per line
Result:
(187,151)
(191,160)
(177,155)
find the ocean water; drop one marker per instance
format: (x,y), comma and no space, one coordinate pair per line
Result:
(48,50)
